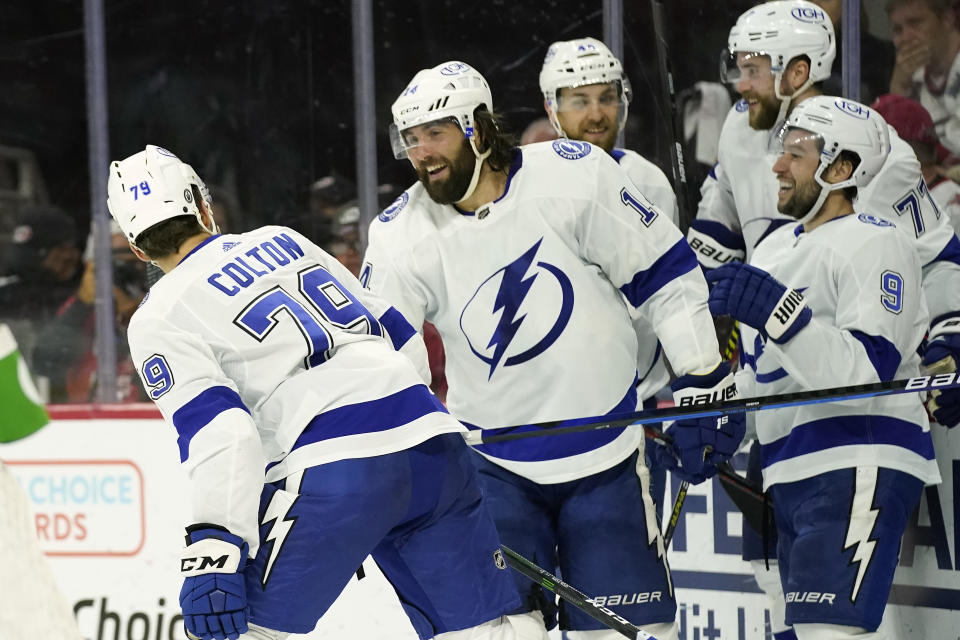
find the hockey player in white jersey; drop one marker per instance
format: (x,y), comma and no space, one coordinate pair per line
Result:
(587,95)
(778,53)
(526,260)
(831,301)
(309,436)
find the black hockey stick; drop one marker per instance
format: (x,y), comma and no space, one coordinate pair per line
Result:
(675,515)
(668,94)
(917,384)
(574,596)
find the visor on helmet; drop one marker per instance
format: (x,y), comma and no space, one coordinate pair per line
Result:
(735,65)
(434,131)
(796,141)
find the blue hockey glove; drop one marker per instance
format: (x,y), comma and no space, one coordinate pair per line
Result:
(701,443)
(213,598)
(941,356)
(759,300)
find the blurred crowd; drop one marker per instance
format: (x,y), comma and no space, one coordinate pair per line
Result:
(47,280)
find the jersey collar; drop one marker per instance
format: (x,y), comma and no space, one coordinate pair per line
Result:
(194,250)
(515,165)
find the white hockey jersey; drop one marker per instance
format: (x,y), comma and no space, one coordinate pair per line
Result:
(264,352)
(529,294)
(655,187)
(862,280)
(739,207)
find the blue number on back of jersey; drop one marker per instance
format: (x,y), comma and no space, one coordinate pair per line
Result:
(330,302)
(647,215)
(157,375)
(911,203)
(891,283)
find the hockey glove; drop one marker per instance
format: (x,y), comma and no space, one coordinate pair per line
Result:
(701,443)
(759,300)
(941,356)
(214,596)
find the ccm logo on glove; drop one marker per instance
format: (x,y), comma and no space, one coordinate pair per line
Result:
(210,556)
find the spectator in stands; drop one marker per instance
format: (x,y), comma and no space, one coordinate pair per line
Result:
(914,124)
(345,246)
(65,353)
(41,268)
(878,55)
(927,68)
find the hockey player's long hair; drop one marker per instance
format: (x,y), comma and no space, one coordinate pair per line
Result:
(494,136)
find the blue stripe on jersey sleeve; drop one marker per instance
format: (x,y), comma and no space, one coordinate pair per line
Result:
(381,414)
(675,262)
(397,326)
(819,435)
(719,232)
(950,253)
(200,411)
(883,355)
(561,446)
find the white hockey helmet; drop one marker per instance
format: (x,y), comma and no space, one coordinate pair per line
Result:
(783,30)
(577,63)
(449,90)
(151,186)
(836,125)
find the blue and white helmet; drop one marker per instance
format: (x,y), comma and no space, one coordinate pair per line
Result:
(783,30)
(836,125)
(449,90)
(577,63)
(152,186)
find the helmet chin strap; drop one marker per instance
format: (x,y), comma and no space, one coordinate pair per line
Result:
(786,101)
(477,166)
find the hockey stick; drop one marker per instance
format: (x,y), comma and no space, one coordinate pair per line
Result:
(669,97)
(574,596)
(675,515)
(916,384)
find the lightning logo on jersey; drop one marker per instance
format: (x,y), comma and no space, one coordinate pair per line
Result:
(280,504)
(515,283)
(862,519)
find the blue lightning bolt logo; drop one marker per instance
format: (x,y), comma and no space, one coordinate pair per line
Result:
(513,289)
(280,504)
(514,283)
(863,517)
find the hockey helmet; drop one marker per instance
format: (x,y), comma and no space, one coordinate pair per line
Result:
(577,63)
(782,30)
(151,186)
(836,125)
(449,90)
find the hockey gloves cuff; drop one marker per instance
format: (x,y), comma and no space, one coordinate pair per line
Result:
(941,356)
(759,300)
(701,443)
(214,596)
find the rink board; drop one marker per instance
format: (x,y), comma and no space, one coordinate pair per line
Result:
(105,486)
